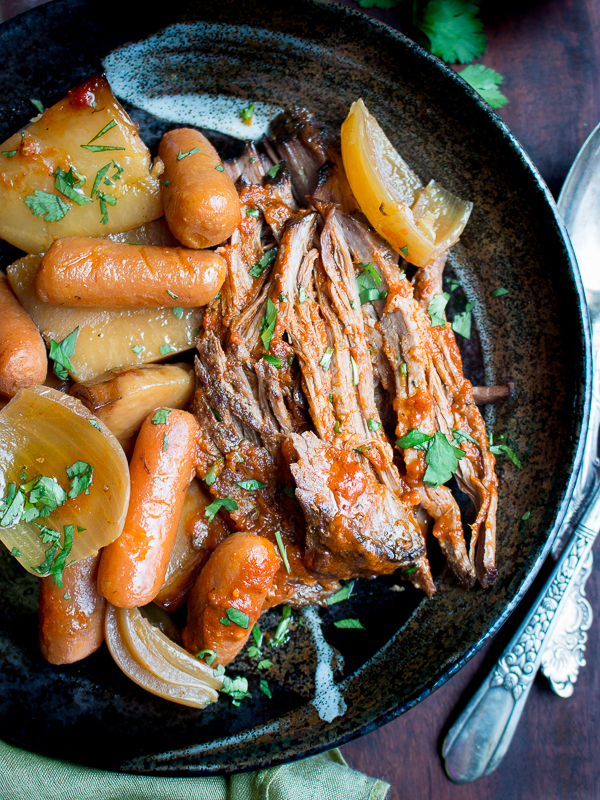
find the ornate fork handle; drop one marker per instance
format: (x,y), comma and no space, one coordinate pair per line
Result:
(480,737)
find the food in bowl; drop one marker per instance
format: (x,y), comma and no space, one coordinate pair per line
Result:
(269,476)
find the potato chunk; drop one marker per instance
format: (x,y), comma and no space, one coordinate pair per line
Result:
(108,338)
(80,170)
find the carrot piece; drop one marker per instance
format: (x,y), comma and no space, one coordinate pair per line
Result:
(23,360)
(71,616)
(78,271)
(202,206)
(228,597)
(132,568)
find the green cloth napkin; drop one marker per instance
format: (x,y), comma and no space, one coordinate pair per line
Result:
(26,776)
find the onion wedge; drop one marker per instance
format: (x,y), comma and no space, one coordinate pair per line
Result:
(419,222)
(157,664)
(64,481)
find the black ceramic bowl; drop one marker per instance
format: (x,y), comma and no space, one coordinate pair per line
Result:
(324,56)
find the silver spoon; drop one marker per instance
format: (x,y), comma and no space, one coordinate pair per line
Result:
(480,737)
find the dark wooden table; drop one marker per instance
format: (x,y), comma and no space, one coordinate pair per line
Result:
(549,54)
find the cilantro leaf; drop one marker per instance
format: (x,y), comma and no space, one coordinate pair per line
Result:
(342,594)
(246,113)
(211,475)
(368,283)
(67,183)
(282,551)
(9,154)
(61,353)
(81,478)
(500,292)
(437,307)
(178,312)
(414,439)
(237,689)
(191,152)
(226,502)
(238,617)
(502,449)
(210,658)
(441,459)
(165,349)
(264,687)
(50,207)
(104,130)
(453,30)
(251,485)
(462,322)
(160,416)
(268,324)
(265,663)
(485,81)
(13,508)
(257,270)
(461,436)
(274,170)
(349,623)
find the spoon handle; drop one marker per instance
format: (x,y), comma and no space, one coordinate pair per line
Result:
(480,737)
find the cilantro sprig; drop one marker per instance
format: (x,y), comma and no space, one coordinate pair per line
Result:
(485,81)
(61,353)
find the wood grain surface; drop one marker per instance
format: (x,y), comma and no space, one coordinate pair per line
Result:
(549,54)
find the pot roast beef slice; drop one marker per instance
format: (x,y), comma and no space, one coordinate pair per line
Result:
(355,526)
(251,167)
(454,396)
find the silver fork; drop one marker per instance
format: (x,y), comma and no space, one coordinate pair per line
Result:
(553,635)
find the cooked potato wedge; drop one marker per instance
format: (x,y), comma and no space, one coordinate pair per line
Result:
(107,336)
(122,399)
(79,170)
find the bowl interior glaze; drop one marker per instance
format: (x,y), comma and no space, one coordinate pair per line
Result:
(323,56)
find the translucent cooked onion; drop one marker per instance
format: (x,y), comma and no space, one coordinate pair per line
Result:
(421,223)
(42,433)
(156,663)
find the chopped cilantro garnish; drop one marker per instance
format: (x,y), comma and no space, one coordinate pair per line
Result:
(415,439)
(274,170)
(237,689)
(38,104)
(95,423)
(171,294)
(220,670)
(225,502)
(368,283)
(453,283)
(257,636)
(81,474)
(349,623)
(264,687)
(462,322)
(246,113)
(210,658)
(252,212)
(165,349)
(501,449)
(178,312)
(373,425)
(282,551)
(354,372)
(325,361)
(238,617)
(137,349)
(337,427)
(166,183)
(66,596)
(342,594)
(268,324)
(250,485)
(257,270)
(109,126)
(62,352)
(100,148)
(225,621)
(191,152)
(485,81)
(220,168)
(16,552)
(67,182)
(461,436)
(55,563)
(453,29)
(437,306)
(281,634)
(265,663)
(216,415)
(526,516)
(404,251)
(50,207)
(290,491)
(99,175)
(441,459)
(9,153)
(403,369)
(274,360)
(500,292)
(165,443)
(160,416)
(211,475)
(283,298)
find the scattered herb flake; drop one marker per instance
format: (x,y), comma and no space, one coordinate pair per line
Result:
(50,207)
(337,427)
(66,596)
(500,292)
(95,423)
(368,283)
(178,312)
(373,425)
(325,361)
(252,212)
(220,168)
(166,183)
(268,324)
(210,658)
(257,636)
(16,552)
(100,148)
(237,689)
(282,551)
(250,485)
(526,515)
(238,617)
(342,594)
(290,491)
(264,687)
(165,443)
(171,294)
(415,439)
(274,170)
(437,307)
(225,502)
(62,352)
(265,664)
(281,634)
(99,175)
(403,369)
(191,152)
(211,475)
(109,126)
(9,153)
(224,621)
(257,270)
(81,474)
(462,322)
(137,349)
(404,251)
(246,113)
(461,436)
(502,449)
(349,623)
(355,375)
(165,349)
(38,105)
(160,416)
(274,360)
